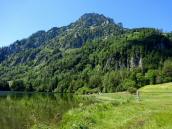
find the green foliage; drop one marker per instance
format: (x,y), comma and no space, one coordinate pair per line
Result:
(83,90)
(95,81)
(111,82)
(18,85)
(132,90)
(167,69)
(53,84)
(4,85)
(127,83)
(140,79)
(151,76)
(92,52)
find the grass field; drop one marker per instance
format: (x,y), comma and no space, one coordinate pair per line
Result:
(166,87)
(124,111)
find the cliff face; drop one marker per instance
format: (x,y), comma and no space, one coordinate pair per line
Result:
(121,62)
(140,53)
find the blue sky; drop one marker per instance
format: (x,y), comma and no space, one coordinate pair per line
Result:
(21,18)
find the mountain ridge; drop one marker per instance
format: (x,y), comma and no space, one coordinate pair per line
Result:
(38,38)
(92,54)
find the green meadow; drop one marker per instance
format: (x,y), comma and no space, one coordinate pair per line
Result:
(125,111)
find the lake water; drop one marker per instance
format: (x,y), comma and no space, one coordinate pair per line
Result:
(24,110)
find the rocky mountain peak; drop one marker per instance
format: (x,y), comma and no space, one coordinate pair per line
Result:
(94,19)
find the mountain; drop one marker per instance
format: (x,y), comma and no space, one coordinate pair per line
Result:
(34,41)
(93,54)
(88,27)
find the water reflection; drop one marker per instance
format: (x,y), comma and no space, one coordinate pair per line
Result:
(20,110)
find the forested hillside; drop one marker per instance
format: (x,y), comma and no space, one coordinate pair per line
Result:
(93,54)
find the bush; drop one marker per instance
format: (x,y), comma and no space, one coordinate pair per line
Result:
(127,83)
(83,90)
(95,81)
(167,79)
(111,81)
(18,85)
(167,69)
(132,90)
(95,90)
(151,76)
(4,86)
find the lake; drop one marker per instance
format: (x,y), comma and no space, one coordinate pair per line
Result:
(25,110)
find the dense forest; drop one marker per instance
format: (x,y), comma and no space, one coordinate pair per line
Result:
(93,54)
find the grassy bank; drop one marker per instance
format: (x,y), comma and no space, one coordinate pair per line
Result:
(124,111)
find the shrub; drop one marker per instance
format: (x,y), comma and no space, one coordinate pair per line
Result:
(18,85)
(83,90)
(4,86)
(132,90)
(127,83)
